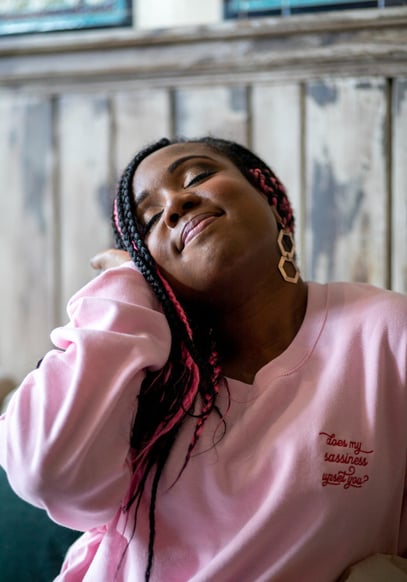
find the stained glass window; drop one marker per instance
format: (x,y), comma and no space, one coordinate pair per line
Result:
(245,8)
(21,16)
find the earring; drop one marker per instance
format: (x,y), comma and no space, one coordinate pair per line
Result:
(287,267)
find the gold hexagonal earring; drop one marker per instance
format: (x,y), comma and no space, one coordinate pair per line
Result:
(287,267)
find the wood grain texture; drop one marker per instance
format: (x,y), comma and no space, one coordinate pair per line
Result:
(276,127)
(325,22)
(26,232)
(399,182)
(220,111)
(140,117)
(310,95)
(84,187)
(351,43)
(347,198)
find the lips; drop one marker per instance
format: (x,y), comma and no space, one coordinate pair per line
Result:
(196,225)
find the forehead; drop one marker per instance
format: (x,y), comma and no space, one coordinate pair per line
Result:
(154,166)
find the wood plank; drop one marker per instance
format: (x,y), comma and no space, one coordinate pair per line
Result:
(26,232)
(219,111)
(347,198)
(140,117)
(399,181)
(85,187)
(276,137)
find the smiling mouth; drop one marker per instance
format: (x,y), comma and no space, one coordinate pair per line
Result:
(195,226)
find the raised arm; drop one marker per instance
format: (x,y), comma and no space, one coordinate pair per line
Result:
(64,440)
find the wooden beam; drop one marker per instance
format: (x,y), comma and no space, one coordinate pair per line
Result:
(350,43)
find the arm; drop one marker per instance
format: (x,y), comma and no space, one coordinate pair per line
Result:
(64,440)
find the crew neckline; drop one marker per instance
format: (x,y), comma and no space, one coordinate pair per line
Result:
(301,347)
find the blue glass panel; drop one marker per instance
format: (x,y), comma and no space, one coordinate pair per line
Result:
(236,8)
(52,15)
(264,5)
(253,5)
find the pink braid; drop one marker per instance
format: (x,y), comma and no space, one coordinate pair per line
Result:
(116,217)
(276,194)
(176,303)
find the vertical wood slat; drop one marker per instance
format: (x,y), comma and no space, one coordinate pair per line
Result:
(84,187)
(220,111)
(26,232)
(399,182)
(346,141)
(140,117)
(276,137)
(346,151)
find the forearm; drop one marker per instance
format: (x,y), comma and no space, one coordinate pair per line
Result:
(64,441)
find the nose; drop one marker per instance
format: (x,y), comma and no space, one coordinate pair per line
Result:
(178,204)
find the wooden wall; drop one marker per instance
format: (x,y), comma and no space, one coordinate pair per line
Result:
(323,99)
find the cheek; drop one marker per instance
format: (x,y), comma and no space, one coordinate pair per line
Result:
(160,253)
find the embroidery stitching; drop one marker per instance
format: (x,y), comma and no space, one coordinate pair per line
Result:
(355,456)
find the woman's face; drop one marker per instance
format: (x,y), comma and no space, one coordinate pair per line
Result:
(205,224)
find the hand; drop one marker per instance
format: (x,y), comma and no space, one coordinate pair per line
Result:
(109,258)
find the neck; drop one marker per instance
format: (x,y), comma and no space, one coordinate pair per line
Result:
(257,328)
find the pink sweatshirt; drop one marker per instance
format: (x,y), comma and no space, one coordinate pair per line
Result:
(308,479)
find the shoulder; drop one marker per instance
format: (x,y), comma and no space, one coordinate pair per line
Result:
(371,308)
(366,297)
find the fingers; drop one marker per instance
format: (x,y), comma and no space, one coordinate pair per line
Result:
(109,258)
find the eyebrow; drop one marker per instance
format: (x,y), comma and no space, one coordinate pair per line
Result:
(140,197)
(176,163)
(171,169)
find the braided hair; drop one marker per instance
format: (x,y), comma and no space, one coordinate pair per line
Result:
(191,379)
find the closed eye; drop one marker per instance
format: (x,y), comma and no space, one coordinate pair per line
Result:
(150,223)
(199,178)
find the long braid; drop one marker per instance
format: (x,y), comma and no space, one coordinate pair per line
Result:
(171,392)
(168,396)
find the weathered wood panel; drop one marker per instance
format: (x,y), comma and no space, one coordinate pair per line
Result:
(85,189)
(26,232)
(347,198)
(399,181)
(113,91)
(219,111)
(140,117)
(276,135)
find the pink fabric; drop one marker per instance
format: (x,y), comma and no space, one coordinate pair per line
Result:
(309,478)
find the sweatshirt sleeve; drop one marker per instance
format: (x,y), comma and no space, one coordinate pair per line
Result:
(64,439)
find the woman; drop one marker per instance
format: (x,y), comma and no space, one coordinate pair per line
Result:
(208,415)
